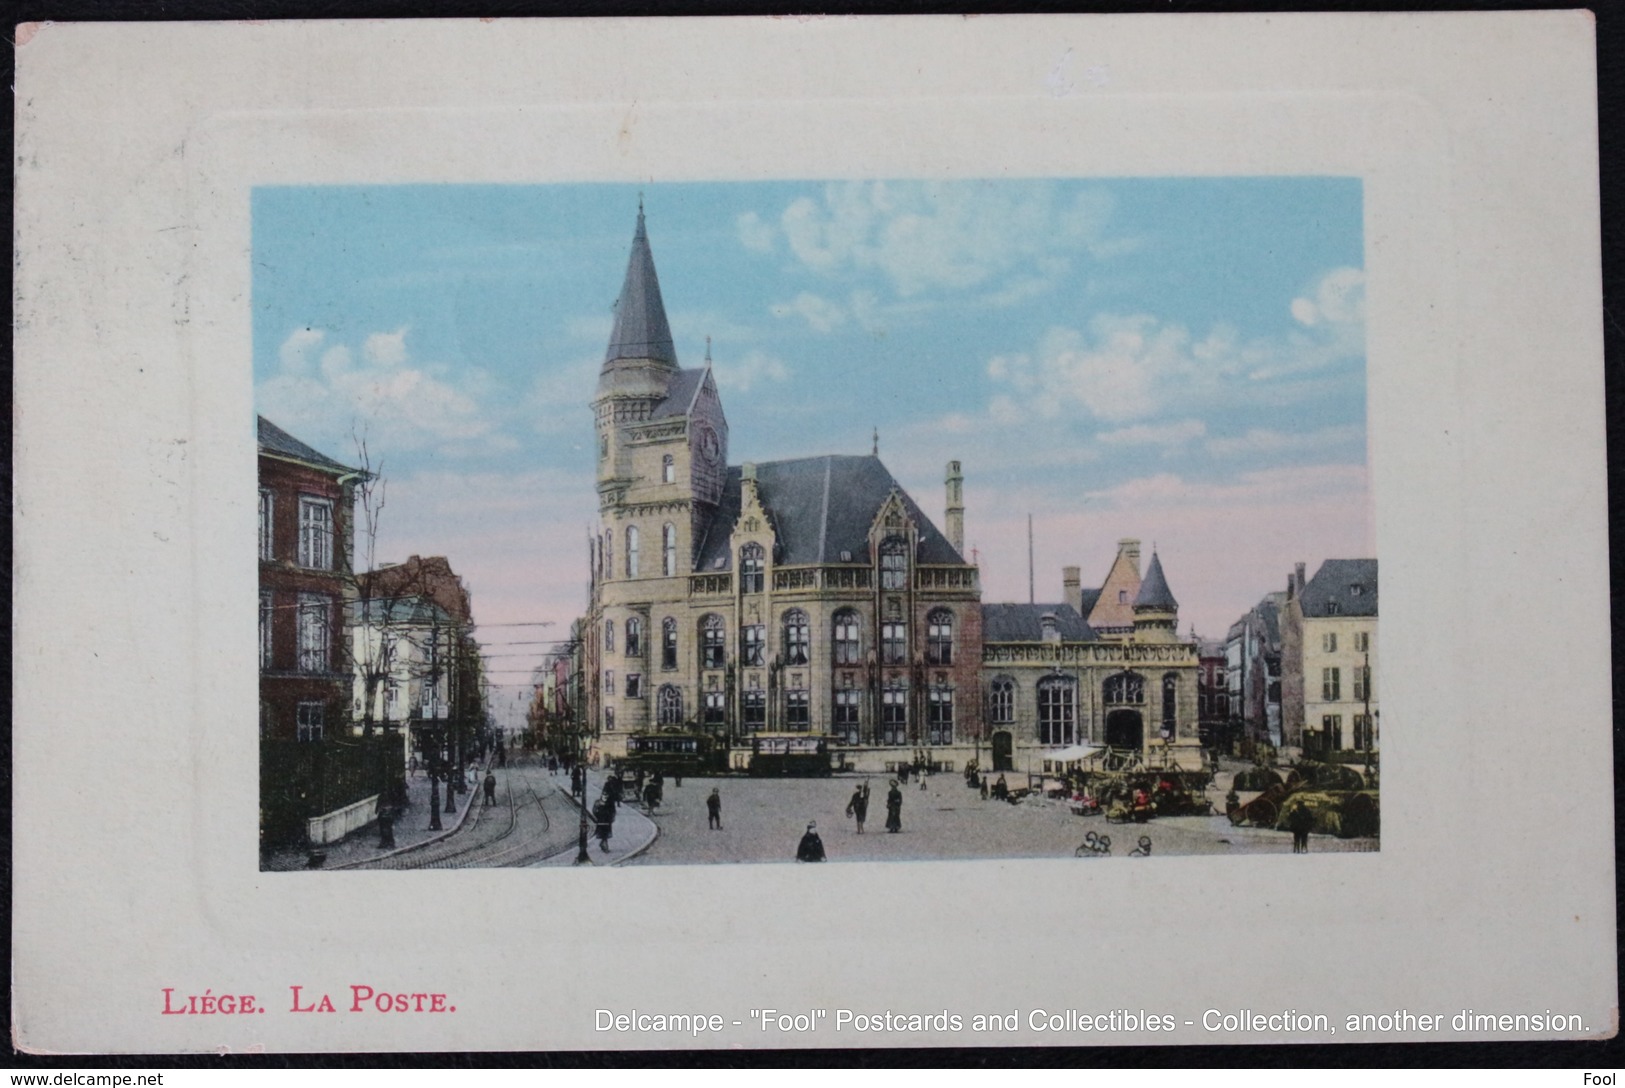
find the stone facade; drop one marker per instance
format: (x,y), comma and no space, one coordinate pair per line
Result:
(1336,613)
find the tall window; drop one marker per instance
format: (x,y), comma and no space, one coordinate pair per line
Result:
(846,715)
(668,550)
(315,533)
(796,637)
(609,682)
(894,643)
(392,700)
(609,553)
(713,642)
(1125,687)
(603,446)
(315,632)
(609,636)
(894,714)
(310,721)
(266,614)
(848,643)
(631,551)
(1001,702)
(1331,728)
(668,470)
(797,712)
(939,716)
(634,637)
(751,564)
(716,709)
(754,710)
(1331,685)
(1170,692)
(609,719)
(669,705)
(1362,641)
(755,645)
(267,542)
(1362,683)
(1056,711)
(668,643)
(894,563)
(1362,733)
(1328,642)
(939,639)
(634,685)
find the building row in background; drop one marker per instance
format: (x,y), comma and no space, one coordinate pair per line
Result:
(362,672)
(1301,664)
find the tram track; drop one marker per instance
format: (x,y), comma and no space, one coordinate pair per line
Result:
(476,846)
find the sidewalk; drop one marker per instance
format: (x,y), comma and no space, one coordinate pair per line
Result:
(634,832)
(411,829)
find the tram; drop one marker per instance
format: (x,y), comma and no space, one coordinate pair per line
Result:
(788,754)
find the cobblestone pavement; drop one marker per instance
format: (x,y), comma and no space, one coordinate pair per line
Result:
(532,819)
(763,820)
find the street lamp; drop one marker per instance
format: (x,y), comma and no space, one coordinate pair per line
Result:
(582,857)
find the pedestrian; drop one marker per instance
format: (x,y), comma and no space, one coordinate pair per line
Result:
(604,814)
(502,754)
(713,806)
(811,847)
(552,766)
(614,786)
(490,788)
(858,807)
(1301,823)
(894,809)
(651,796)
(984,787)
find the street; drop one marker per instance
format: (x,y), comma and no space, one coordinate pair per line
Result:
(763,820)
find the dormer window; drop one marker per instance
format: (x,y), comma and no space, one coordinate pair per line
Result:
(894,564)
(1122,596)
(1049,629)
(1356,590)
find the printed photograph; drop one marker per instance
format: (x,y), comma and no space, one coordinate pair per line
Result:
(818,522)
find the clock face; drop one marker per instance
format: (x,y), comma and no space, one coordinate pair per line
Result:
(710,448)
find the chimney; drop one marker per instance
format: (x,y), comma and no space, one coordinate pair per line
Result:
(956,508)
(1129,548)
(1072,588)
(1297,578)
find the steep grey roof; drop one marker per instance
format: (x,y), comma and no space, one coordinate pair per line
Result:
(274,440)
(820,507)
(1090,597)
(1154,591)
(1348,584)
(1269,614)
(1020,623)
(641,331)
(679,394)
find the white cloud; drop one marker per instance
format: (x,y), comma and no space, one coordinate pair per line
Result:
(755,234)
(944,236)
(398,406)
(1153,434)
(385,348)
(1291,484)
(1263,440)
(1339,299)
(818,312)
(753,368)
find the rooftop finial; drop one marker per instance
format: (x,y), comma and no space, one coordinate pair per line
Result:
(876,451)
(640,202)
(707,351)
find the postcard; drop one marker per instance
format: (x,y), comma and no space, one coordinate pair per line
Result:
(757,544)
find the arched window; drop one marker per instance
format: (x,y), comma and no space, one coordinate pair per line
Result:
(939,638)
(668,643)
(751,564)
(669,705)
(848,640)
(1056,711)
(668,550)
(603,446)
(894,563)
(634,637)
(796,637)
(713,642)
(609,554)
(1170,691)
(631,551)
(609,636)
(1125,687)
(668,470)
(1001,701)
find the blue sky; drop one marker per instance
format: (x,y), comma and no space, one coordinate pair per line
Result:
(1179,360)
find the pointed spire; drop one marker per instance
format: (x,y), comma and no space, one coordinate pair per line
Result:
(875,452)
(707,351)
(641,331)
(1154,593)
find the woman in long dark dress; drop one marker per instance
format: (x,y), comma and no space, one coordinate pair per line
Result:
(894,808)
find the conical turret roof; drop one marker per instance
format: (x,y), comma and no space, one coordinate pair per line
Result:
(641,331)
(1154,593)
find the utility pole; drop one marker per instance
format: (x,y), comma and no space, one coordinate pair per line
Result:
(1032,597)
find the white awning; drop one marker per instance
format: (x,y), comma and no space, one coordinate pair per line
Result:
(1073,754)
